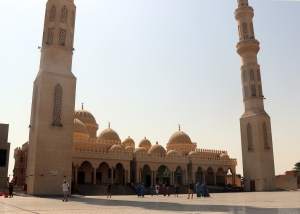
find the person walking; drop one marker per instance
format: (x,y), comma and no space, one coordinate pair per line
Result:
(152,190)
(157,187)
(138,190)
(176,189)
(198,190)
(66,190)
(190,189)
(204,190)
(108,190)
(10,190)
(142,190)
(164,189)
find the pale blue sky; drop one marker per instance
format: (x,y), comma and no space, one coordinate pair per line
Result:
(147,66)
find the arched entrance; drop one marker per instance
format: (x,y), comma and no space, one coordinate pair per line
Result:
(103,176)
(199,175)
(209,176)
(163,175)
(119,177)
(220,177)
(146,175)
(85,175)
(178,175)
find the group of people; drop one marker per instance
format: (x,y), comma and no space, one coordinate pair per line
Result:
(201,189)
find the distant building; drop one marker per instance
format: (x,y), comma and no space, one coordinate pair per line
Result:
(4,154)
(287,181)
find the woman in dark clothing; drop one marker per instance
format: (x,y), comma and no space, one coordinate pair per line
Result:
(176,189)
(10,189)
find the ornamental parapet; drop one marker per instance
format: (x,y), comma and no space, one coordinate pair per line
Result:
(244,11)
(214,160)
(210,151)
(100,153)
(248,45)
(182,159)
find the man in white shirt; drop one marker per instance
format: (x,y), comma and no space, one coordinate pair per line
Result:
(66,190)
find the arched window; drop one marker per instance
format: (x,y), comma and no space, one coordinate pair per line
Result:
(245,28)
(57,106)
(246,91)
(249,136)
(52,14)
(245,76)
(62,37)
(260,91)
(253,90)
(265,136)
(252,75)
(258,75)
(64,14)
(50,36)
(73,19)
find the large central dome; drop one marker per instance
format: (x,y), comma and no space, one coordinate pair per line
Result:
(181,142)
(109,134)
(179,137)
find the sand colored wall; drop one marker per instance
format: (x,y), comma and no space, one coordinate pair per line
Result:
(5,147)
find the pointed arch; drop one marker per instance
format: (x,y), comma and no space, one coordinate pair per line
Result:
(64,14)
(245,28)
(245,76)
(252,77)
(57,106)
(52,14)
(265,136)
(249,136)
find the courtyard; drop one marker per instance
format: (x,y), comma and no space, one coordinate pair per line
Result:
(283,202)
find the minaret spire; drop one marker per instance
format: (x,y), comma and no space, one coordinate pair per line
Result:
(258,160)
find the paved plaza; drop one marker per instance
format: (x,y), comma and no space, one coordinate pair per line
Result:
(256,202)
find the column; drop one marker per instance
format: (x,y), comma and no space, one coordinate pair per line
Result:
(233,178)
(112,175)
(153,177)
(140,176)
(95,175)
(215,178)
(76,174)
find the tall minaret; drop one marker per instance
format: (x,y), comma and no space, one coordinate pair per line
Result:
(256,137)
(53,101)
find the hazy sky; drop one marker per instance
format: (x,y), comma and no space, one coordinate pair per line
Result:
(147,66)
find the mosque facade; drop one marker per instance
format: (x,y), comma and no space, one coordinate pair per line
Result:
(64,145)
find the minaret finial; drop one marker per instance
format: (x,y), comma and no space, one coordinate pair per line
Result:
(82,106)
(179,127)
(108,124)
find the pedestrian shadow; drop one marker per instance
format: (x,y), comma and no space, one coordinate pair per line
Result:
(188,208)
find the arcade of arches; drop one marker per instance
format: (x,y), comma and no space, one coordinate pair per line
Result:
(105,158)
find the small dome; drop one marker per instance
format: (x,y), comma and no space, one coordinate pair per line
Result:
(140,150)
(224,156)
(172,153)
(129,149)
(108,134)
(128,142)
(145,143)
(157,149)
(116,148)
(193,154)
(179,137)
(79,129)
(85,116)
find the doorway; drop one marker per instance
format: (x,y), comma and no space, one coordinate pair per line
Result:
(252,186)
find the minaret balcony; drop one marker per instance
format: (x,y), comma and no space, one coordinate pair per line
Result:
(244,11)
(251,45)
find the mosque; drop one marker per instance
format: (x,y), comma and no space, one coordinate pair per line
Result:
(64,145)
